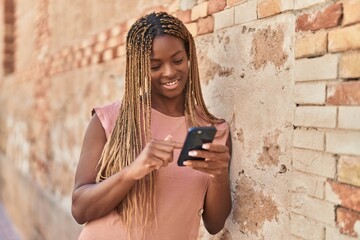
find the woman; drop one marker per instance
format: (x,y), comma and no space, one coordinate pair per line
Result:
(127,184)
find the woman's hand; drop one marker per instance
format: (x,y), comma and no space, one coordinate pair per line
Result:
(217,205)
(216,164)
(156,154)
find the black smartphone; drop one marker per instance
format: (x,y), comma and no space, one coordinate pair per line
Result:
(194,140)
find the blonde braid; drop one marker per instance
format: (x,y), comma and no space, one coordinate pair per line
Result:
(133,125)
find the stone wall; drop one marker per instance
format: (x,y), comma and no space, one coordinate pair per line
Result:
(285,73)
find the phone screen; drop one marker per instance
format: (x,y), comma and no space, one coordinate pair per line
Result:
(195,138)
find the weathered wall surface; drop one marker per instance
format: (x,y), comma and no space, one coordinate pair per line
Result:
(285,73)
(326,143)
(248,71)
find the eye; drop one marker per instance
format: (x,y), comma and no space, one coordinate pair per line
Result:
(178,61)
(154,68)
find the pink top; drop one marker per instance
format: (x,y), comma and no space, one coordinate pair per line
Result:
(180,190)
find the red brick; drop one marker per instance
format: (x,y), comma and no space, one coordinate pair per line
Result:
(192,27)
(345,93)
(199,11)
(330,17)
(108,54)
(349,195)
(114,42)
(343,39)
(77,55)
(88,51)
(9,6)
(116,30)
(351,12)
(83,62)
(216,6)
(268,8)
(103,36)
(346,219)
(205,25)
(348,167)
(349,65)
(95,58)
(120,51)
(310,45)
(232,3)
(99,47)
(123,38)
(184,16)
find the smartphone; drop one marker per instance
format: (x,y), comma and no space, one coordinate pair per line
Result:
(194,140)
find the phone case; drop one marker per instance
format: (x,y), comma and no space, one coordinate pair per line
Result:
(195,138)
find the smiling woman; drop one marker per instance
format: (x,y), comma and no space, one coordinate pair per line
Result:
(127,184)
(169,74)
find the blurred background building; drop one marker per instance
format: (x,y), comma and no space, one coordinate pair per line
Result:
(284,72)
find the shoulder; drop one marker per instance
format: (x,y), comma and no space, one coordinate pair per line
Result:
(112,108)
(107,115)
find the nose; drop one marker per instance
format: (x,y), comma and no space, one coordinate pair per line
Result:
(169,70)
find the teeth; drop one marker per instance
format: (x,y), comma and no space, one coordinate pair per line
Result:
(171,83)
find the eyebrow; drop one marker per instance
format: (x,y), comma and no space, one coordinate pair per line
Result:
(151,58)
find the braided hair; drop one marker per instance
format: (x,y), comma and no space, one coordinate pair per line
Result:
(132,129)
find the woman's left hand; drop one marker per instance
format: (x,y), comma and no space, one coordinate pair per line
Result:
(216,164)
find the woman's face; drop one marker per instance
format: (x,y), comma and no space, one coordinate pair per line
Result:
(169,68)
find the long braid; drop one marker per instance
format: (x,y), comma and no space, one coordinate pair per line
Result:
(132,129)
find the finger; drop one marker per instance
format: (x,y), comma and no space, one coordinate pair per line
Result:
(164,156)
(209,156)
(163,145)
(209,165)
(215,147)
(211,172)
(156,163)
(173,144)
(177,145)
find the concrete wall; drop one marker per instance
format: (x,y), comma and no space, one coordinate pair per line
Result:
(285,73)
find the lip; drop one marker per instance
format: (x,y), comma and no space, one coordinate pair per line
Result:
(171,84)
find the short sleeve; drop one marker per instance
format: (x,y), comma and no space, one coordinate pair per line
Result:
(107,115)
(222,132)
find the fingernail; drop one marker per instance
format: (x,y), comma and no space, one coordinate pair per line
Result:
(192,153)
(205,146)
(186,163)
(168,137)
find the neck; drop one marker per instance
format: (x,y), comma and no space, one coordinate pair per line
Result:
(170,107)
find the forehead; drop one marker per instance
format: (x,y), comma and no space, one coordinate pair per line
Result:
(166,45)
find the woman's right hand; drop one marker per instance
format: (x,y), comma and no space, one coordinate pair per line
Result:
(91,200)
(155,155)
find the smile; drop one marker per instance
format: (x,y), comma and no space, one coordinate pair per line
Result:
(171,83)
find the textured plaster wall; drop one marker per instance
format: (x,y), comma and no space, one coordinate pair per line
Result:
(247,79)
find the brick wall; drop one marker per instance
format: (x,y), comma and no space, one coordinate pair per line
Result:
(326,153)
(286,72)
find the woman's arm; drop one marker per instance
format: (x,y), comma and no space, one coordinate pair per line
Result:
(217,206)
(91,200)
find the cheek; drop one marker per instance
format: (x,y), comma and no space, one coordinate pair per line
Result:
(154,77)
(186,71)
(185,67)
